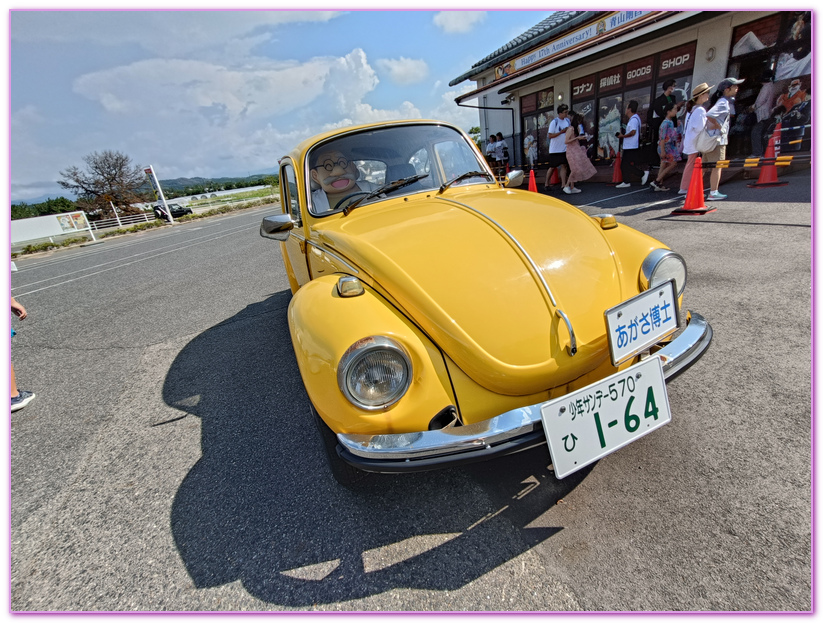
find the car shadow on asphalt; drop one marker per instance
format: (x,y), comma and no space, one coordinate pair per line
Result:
(261,506)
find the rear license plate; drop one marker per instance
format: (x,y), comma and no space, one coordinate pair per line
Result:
(642,321)
(586,425)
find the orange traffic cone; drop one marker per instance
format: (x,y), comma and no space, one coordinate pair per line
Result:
(695,202)
(555,178)
(768,171)
(617,174)
(532,183)
(507,168)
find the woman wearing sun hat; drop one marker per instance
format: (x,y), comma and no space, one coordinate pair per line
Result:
(695,122)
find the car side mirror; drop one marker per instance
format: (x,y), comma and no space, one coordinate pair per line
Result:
(277,227)
(513,179)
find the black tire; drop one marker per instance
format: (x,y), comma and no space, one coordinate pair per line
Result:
(343,473)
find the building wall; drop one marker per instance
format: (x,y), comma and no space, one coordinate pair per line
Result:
(713,43)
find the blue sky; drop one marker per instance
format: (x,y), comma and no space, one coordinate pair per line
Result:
(226,93)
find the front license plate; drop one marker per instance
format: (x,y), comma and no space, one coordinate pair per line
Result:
(586,425)
(642,321)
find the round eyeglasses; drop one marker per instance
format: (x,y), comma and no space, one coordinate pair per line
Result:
(330,164)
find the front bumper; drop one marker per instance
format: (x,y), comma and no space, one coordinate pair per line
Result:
(513,431)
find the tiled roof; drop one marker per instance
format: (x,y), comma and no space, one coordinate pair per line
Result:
(553,26)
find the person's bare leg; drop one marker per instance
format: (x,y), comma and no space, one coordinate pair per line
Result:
(14,390)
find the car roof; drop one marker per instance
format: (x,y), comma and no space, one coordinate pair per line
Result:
(299,152)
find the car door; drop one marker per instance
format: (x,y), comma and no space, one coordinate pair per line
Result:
(295,247)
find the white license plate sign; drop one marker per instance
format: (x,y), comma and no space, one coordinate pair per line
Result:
(586,425)
(642,321)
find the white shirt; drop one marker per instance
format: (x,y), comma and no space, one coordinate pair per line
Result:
(695,123)
(498,151)
(721,112)
(558,143)
(633,142)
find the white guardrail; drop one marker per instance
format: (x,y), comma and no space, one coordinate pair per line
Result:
(121,221)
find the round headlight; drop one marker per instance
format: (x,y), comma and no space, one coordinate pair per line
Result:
(660,266)
(374,373)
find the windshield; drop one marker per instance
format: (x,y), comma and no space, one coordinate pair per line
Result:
(396,161)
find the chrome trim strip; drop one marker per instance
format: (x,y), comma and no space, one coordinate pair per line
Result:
(334,255)
(572,348)
(683,351)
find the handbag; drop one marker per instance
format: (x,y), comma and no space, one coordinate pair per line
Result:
(705,142)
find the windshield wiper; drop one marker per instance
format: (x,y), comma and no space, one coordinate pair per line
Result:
(385,188)
(462,177)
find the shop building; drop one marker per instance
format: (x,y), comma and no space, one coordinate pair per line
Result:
(599,61)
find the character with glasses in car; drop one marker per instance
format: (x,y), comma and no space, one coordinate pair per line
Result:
(333,178)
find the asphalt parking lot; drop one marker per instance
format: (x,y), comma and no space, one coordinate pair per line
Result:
(169,462)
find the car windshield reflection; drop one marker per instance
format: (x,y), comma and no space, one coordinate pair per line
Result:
(396,161)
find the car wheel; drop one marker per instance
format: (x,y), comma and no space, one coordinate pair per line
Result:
(343,473)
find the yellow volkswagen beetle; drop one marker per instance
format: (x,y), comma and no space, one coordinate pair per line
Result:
(440,316)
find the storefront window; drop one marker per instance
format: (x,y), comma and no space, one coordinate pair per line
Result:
(773,56)
(583,103)
(536,112)
(609,111)
(609,117)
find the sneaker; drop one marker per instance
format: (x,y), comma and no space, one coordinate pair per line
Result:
(645,178)
(575,190)
(623,185)
(21,400)
(715,196)
(567,190)
(682,192)
(653,184)
(658,188)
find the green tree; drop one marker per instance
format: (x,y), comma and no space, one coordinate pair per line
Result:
(49,206)
(108,177)
(474,133)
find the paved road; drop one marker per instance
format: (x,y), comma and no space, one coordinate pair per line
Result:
(169,461)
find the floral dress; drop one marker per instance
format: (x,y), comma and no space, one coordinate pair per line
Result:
(668,134)
(581,168)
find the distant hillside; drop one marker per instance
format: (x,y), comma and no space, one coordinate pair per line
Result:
(172,188)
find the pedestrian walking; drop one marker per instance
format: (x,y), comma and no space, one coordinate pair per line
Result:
(19,397)
(557,145)
(580,167)
(667,146)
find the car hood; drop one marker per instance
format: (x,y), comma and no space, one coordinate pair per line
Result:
(463,269)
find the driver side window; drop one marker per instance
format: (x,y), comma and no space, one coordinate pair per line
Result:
(288,180)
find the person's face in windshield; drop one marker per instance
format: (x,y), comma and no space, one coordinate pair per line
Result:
(335,173)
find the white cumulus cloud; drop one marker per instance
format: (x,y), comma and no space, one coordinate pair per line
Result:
(404,70)
(455,22)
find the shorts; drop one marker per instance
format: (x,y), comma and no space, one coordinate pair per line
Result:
(555,160)
(718,153)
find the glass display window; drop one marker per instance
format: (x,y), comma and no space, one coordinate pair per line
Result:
(536,112)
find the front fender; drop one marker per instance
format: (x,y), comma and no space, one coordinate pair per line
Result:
(324,325)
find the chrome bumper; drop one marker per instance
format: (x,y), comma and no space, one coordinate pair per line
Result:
(513,431)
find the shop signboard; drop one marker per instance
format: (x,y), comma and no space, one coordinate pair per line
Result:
(677,61)
(639,72)
(611,80)
(583,88)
